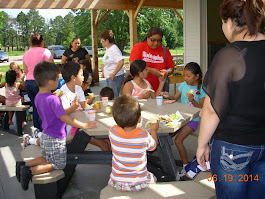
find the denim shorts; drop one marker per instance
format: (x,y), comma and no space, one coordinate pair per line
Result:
(238,171)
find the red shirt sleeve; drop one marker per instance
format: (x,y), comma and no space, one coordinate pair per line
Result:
(136,52)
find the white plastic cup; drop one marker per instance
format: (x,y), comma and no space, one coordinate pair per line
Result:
(159,100)
(105,101)
(91,115)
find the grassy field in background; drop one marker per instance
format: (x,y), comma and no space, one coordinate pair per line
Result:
(5,68)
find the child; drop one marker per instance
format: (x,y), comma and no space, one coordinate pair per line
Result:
(53,117)
(106,92)
(129,145)
(73,95)
(136,85)
(192,83)
(20,75)
(13,97)
(60,79)
(88,75)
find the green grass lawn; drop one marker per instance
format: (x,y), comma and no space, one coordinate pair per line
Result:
(100,54)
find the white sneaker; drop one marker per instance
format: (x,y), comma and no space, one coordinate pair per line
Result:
(182,172)
(26,138)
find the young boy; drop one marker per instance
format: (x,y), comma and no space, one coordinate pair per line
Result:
(129,145)
(53,118)
(74,95)
(106,92)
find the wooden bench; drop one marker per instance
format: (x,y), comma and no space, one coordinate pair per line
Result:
(20,113)
(176,189)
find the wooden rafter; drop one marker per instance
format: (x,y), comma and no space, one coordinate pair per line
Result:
(177,13)
(138,9)
(91,4)
(103,16)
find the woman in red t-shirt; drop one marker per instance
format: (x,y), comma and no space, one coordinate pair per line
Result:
(151,51)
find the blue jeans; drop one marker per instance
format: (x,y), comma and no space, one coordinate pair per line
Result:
(237,170)
(32,90)
(115,84)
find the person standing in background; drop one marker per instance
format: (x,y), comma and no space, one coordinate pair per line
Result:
(151,51)
(113,62)
(30,59)
(75,52)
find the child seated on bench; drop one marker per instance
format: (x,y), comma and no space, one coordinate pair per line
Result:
(54,119)
(129,145)
(13,97)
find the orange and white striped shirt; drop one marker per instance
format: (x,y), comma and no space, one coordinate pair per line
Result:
(129,157)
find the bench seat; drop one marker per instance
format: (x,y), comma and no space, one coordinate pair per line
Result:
(33,151)
(20,113)
(176,189)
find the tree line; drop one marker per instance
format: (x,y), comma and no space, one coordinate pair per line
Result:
(15,32)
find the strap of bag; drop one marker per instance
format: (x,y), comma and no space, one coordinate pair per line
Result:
(165,56)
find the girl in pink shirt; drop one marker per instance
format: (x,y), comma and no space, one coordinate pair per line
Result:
(136,84)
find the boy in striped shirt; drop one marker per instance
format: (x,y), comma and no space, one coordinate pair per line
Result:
(129,145)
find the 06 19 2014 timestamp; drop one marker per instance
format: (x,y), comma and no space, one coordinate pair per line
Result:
(231,178)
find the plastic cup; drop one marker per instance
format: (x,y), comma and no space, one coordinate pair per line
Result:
(159,100)
(91,114)
(105,101)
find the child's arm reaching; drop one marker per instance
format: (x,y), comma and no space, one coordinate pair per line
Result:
(72,108)
(162,80)
(73,122)
(176,96)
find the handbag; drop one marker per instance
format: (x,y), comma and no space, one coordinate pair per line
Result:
(166,85)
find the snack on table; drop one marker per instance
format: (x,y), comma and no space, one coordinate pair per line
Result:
(91,95)
(96,104)
(153,119)
(169,101)
(58,93)
(164,71)
(146,90)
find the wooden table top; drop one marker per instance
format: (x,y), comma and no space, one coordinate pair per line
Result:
(105,121)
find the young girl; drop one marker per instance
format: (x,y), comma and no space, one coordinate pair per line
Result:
(19,74)
(136,84)
(13,97)
(192,94)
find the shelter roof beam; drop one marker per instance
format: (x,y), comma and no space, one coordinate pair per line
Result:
(138,9)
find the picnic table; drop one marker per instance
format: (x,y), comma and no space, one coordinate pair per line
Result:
(76,155)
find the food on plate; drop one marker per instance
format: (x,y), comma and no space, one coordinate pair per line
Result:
(58,93)
(169,101)
(174,116)
(153,119)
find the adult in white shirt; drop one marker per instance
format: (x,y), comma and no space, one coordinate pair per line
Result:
(113,62)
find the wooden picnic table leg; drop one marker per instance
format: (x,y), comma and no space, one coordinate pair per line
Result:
(166,156)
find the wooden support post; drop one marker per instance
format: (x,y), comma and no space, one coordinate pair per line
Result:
(94,35)
(133,28)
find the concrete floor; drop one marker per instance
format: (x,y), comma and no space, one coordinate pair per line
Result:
(87,181)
